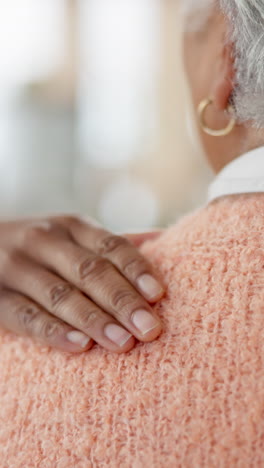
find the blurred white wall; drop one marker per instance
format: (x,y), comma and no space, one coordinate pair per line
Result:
(92,112)
(118,114)
(34,132)
(31,40)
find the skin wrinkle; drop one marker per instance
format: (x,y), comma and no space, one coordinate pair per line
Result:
(192,398)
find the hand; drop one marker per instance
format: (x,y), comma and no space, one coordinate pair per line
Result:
(68,283)
(139,238)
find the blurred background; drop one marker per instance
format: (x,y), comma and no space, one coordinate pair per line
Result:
(93,113)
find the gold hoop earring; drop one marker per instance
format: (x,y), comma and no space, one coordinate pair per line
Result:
(217,133)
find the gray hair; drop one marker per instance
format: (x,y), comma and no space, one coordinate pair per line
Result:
(246,19)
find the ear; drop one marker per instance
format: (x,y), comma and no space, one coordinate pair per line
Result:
(224,83)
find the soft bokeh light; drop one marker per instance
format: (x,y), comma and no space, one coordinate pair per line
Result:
(31,39)
(119,61)
(92,119)
(129,203)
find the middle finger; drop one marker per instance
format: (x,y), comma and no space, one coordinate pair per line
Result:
(101,281)
(67,303)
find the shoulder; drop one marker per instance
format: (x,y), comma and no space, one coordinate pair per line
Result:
(228,224)
(212,260)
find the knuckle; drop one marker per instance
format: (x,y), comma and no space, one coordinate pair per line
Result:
(8,259)
(88,319)
(121,299)
(12,257)
(110,243)
(93,266)
(59,293)
(27,317)
(134,267)
(71,220)
(49,329)
(34,231)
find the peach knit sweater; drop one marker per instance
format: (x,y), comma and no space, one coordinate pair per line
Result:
(193,398)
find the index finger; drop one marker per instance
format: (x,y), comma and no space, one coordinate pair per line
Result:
(121,253)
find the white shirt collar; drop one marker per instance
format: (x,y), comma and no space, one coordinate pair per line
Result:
(243,175)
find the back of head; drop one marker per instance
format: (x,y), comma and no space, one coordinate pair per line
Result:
(246,18)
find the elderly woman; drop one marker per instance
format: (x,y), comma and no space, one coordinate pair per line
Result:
(194,397)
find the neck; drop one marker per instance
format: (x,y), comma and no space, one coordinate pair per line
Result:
(241,143)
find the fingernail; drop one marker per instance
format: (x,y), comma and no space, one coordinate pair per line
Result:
(149,286)
(78,338)
(117,334)
(144,321)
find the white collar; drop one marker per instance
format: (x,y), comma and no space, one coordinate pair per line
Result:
(243,175)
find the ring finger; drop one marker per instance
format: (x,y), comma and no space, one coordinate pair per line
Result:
(100,280)
(22,316)
(67,303)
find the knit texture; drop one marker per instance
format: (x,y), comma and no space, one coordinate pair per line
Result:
(193,398)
